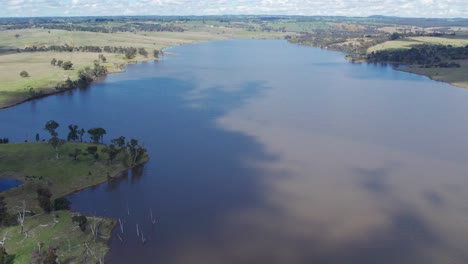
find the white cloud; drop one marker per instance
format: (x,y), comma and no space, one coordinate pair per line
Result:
(408,8)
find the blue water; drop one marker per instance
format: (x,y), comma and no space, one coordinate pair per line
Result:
(268,152)
(6,184)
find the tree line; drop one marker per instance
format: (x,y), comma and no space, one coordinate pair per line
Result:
(425,55)
(96,49)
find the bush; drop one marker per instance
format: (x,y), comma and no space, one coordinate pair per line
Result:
(24,74)
(67,65)
(53,61)
(43,196)
(61,203)
(81,220)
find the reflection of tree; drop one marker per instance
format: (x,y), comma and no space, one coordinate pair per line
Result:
(115,182)
(137,172)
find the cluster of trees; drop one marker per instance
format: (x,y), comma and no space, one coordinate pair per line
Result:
(96,49)
(425,55)
(4,141)
(337,39)
(66,65)
(131,150)
(85,76)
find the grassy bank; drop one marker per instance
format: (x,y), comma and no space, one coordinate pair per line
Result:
(456,76)
(35,164)
(57,230)
(43,77)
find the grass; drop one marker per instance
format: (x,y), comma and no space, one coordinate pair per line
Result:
(36,166)
(407,43)
(65,235)
(455,76)
(44,77)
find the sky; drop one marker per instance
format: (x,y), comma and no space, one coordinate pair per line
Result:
(403,8)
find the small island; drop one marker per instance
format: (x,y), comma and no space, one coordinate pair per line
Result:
(35,218)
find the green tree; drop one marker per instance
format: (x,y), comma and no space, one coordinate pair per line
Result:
(81,133)
(3,211)
(51,126)
(56,143)
(53,62)
(67,65)
(97,134)
(73,133)
(61,203)
(81,220)
(37,137)
(112,152)
(92,150)
(143,52)
(102,58)
(59,63)
(120,141)
(76,152)
(156,53)
(43,196)
(130,53)
(134,151)
(24,74)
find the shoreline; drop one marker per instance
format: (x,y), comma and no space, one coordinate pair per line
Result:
(26,192)
(48,91)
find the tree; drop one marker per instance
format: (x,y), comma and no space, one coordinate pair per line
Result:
(134,151)
(67,65)
(53,62)
(76,152)
(43,196)
(112,152)
(92,150)
(37,137)
(73,134)
(59,63)
(50,256)
(24,74)
(130,53)
(81,220)
(61,203)
(4,257)
(51,126)
(102,58)
(143,52)
(97,134)
(81,133)
(120,141)
(156,53)
(56,143)
(3,211)
(394,36)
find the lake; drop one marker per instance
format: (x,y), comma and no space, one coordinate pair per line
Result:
(267,152)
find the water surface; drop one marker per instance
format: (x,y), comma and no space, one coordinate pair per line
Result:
(268,152)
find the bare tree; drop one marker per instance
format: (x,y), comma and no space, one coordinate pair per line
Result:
(21,216)
(5,238)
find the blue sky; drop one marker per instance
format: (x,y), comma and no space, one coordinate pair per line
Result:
(407,8)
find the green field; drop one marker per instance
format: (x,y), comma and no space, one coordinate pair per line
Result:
(407,43)
(44,77)
(35,164)
(455,76)
(62,233)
